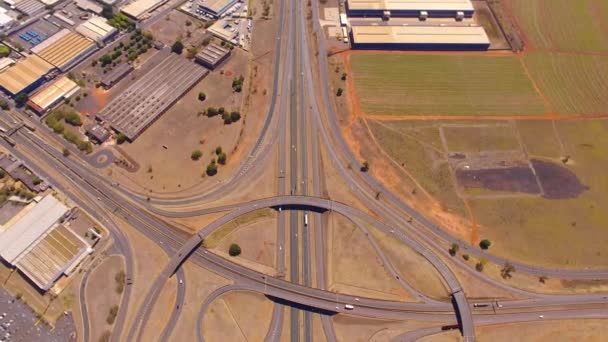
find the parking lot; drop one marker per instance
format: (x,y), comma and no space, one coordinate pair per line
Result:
(19,323)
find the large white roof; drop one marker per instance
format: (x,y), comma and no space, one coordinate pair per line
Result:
(411,5)
(33,225)
(384,34)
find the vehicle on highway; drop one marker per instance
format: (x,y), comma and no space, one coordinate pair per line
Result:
(479,305)
(349,307)
(306,220)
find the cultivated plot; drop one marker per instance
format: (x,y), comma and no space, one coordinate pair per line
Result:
(564,25)
(443,85)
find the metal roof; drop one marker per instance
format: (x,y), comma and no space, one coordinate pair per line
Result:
(138,8)
(96,28)
(61,88)
(63,50)
(34,224)
(411,5)
(419,34)
(216,6)
(23,73)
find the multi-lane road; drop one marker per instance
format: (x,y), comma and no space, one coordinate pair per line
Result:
(301,120)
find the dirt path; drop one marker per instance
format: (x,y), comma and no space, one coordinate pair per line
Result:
(557,117)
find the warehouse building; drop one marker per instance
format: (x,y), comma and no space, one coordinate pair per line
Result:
(115,75)
(410,8)
(25,75)
(138,9)
(53,94)
(39,245)
(65,49)
(89,6)
(224,30)
(97,29)
(144,101)
(5,19)
(212,56)
(448,38)
(215,8)
(29,7)
(5,63)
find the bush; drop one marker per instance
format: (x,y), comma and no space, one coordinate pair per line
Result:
(120,138)
(4,105)
(73,119)
(479,266)
(4,51)
(234,250)
(365,167)
(196,155)
(237,84)
(21,99)
(506,271)
(211,168)
(235,116)
(36,180)
(485,244)
(454,249)
(212,111)
(339,92)
(466,257)
(221,158)
(66,152)
(112,314)
(177,47)
(202,96)
(218,150)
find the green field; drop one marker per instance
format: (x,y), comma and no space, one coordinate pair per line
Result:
(569,25)
(573,84)
(443,85)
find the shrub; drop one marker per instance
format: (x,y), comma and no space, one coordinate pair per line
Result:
(4,105)
(202,96)
(196,155)
(177,47)
(121,138)
(485,244)
(211,168)
(234,250)
(221,158)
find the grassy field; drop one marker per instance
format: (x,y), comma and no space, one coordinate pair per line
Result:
(573,84)
(570,25)
(423,159)
(480,138)
(443,85)
(556,232)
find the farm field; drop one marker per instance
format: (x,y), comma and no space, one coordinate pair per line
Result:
(474,138)
(573,84)
(443,85)
(563,25)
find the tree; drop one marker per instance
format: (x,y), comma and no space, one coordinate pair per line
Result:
(218,150)
(177,47)
(73,119)
(343,76)
(221,158)
(36,180)
(466,257)
(542,279)
(2,173)
(66,152)
(211,168)
(202,96)
(121,138)
(196,155)
(21,99)
(480,265)
(212,111)
(4,51)
(234,250)
(339,92)
(365,167)
(235,116)
(4,105)
(454,249)
(506,271)
(105,60)
(485,244)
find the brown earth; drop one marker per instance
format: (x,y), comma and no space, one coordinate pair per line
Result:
(557,181)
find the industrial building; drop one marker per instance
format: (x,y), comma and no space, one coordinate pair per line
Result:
(215,8)
(59,90)
(25,75)
(5,63)
(115,75)
(98,133)
(410,8)
(381,37)
(39,245)
(5,19)
(224,30)
(145,100)
(97,29)
(138,9)
(65,49)
(212,56)
(89,6)
(29,7)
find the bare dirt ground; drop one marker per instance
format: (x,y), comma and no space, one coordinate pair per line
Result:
(200,283)
(353,266)
(238,316)
(179,25)
(412,267)
(101,295)
(358,329)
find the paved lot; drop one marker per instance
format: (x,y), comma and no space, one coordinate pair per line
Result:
(17,323)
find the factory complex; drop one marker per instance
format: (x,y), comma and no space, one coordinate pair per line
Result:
(148,98)
(412,25)
(51,95)
(38,242)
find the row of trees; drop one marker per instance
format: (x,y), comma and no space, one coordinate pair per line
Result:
(228,117)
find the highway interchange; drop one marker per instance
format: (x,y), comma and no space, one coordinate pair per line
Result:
(300,121)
